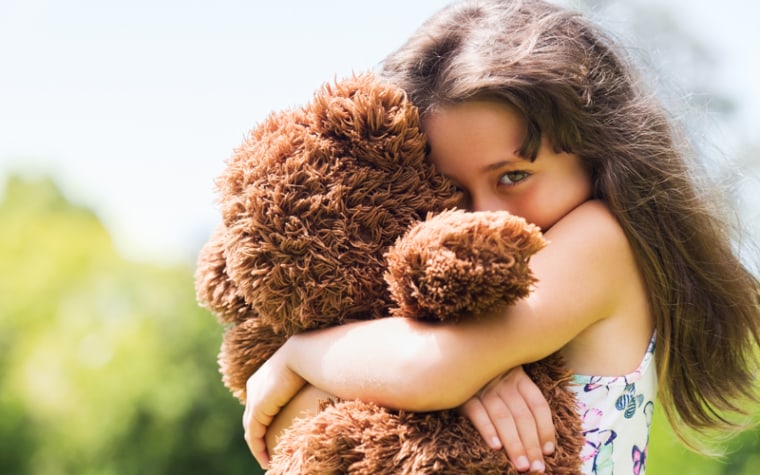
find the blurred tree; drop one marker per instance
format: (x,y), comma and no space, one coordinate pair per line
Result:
(667,455)
(108,366)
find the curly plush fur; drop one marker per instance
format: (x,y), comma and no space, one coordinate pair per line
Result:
(319,205)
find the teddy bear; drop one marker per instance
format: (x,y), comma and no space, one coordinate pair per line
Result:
(331,213)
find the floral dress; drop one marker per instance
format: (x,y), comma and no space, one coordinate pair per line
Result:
(616,415)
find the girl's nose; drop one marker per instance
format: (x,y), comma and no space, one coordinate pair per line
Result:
(486,202)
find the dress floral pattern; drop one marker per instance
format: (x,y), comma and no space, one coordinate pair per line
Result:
(616,415)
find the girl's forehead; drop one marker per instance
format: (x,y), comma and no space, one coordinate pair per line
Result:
(476,126)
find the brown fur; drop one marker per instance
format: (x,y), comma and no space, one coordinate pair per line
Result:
(312,205)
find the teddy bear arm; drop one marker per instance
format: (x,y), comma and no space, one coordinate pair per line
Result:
(245,347)
(457,264)
(214,288)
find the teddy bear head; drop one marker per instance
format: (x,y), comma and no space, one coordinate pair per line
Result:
(310,203)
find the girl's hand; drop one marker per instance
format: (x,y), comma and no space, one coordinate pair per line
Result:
(511,412)
(267,391)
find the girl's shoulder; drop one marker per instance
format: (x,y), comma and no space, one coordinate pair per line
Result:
(611,281)
(590,240)
(592,224)
(592,211)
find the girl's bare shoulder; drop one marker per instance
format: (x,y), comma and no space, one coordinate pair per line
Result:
(615,281)
(592,226)
(593,213)
(591,242)
(593,232)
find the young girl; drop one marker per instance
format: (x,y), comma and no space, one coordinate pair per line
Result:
(530,109)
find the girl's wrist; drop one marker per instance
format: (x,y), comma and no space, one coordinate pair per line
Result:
(287,361)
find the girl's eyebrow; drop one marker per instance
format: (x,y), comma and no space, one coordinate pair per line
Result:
(500,164)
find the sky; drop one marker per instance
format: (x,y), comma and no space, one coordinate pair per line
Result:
(132,106)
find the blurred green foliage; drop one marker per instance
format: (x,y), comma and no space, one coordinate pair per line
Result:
(667,456)
(109,367)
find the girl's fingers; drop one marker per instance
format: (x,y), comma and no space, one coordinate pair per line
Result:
(476,412)
(258,448)
(542,415)
(254,437)
(511,412)
(516,428)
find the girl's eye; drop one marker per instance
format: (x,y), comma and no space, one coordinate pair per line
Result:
(512,178)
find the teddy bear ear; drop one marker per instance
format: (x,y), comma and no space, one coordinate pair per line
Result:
(214,289)
(246,346)
(374,118)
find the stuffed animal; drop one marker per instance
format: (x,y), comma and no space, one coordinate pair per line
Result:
(331,213)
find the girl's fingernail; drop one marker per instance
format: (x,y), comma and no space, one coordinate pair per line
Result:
(537,466)
(522,464)
(495,443)
(548,448)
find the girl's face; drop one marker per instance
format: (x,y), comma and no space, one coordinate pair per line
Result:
(475,144)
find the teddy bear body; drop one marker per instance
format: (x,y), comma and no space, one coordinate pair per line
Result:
(331,213)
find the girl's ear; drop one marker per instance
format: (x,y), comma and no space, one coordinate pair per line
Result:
(214,289)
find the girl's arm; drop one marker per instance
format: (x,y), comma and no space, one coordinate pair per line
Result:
(404,363)
(419,366)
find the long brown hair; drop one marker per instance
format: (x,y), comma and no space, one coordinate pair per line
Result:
(569,81)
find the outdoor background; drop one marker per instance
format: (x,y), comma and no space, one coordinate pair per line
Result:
(115,118)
